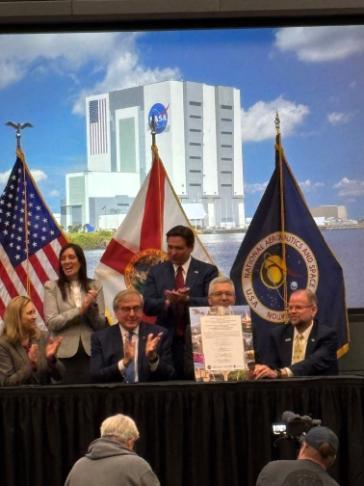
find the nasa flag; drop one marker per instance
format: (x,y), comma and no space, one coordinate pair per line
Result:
(283,251)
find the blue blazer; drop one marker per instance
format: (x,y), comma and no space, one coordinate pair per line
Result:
(161,277)
(107,350)
(320,357)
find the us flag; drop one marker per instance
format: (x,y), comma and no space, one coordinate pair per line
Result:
(97,126)
(30,240)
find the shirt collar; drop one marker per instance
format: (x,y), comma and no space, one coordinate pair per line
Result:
(305,333)
(125,332)
(185,266)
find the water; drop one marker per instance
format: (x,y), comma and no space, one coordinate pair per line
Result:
(347,245)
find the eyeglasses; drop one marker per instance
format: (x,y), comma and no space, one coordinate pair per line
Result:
(220,294)
(298,307)
(127,310)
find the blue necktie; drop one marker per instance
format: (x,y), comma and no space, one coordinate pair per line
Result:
(130,369)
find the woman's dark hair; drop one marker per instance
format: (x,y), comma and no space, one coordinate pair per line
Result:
(82,273)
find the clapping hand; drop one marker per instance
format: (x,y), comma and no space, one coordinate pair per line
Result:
(129,352)
(52,346)
(33,354)
(89,300)
(177,296)
(152,345)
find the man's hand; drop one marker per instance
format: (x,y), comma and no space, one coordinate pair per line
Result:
(263,371)
(52,346)
(175,296)
(152,345)
(129,352)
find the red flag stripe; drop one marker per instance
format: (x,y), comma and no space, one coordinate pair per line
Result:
(52,252)
(8,283)
(117,256)
(48,269)
(152,225)
(33,292)
(38,268)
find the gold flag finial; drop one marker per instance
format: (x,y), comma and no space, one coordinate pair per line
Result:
(277,123)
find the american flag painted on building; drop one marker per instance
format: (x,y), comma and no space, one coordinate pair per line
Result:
(98,126)
(27,258)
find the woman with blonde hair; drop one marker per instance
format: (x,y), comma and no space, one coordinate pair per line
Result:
(27,355)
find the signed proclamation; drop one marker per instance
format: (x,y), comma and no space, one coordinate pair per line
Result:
(222,342)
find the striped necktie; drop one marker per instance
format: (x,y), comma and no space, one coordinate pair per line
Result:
(130,369)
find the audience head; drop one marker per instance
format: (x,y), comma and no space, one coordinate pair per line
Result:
(180,243)
(121,428)
(221,292)
(20,319)
(128,308)
(320,444)
(302,308)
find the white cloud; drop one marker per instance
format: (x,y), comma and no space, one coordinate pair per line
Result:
(258,187)
(309,186)
(258,121)
(112,58)
(54,193)
(4,176)
(321,44)
(350,187)
(337,118)
(38,175)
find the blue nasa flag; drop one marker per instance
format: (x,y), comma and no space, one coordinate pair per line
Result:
(283,250)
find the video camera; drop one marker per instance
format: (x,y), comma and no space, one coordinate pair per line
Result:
(290,431)
(294,425)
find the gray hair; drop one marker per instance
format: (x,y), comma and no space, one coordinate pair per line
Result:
(121,427)
(311,296)
(221,279)
(123,294)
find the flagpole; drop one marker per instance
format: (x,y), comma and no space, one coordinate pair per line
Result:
(19,153)
(155,156)
(279,150)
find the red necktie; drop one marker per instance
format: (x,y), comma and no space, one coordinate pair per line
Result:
(180,281)
(180,308)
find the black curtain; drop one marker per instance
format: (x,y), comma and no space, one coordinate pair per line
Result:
(192,434)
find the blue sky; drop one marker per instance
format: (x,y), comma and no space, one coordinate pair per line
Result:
(313,76)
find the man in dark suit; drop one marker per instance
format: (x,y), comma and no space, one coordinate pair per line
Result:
(175,285)
(303,347)
(130,350)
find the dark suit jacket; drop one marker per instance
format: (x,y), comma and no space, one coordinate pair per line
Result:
(107,350)
(320,358)
(161,277)
(15,367)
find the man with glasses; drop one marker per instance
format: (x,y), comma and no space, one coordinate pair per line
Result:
(303,347)
(131,350)
(221,292)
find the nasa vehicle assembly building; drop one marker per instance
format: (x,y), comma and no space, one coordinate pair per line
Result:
(199,141)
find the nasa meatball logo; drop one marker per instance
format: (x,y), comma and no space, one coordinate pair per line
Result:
(265,271)
(158,114)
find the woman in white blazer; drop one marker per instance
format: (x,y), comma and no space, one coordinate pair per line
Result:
(74,308)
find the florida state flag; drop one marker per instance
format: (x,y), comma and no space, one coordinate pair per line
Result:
(139,242)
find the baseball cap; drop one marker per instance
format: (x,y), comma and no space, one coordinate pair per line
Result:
(319,435)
